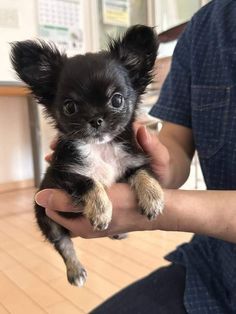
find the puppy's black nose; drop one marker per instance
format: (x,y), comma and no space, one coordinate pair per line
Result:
(96,123)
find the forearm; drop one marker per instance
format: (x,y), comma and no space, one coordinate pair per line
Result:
(179,165)
(211,213)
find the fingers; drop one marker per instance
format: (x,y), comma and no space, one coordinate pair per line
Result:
(158,153)
(77,226)
(136,126)
(149,142)
(53,146)
(48,157)
(144,138)
(71,224)
(55,200)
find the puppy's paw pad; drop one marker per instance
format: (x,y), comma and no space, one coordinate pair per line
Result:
(77,276)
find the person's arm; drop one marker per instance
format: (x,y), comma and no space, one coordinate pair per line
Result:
(209,213)
(203,212)
(171,153)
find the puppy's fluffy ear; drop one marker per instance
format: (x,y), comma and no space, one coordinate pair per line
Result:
(137,51)
(38,64)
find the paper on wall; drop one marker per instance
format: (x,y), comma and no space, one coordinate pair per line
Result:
(61,21)
(116,12)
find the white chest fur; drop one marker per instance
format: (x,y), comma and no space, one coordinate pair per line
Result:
(106,163)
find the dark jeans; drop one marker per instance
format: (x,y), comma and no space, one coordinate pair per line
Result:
(162,292)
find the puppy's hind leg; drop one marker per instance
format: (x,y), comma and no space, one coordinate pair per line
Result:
(59,237)
(76,274)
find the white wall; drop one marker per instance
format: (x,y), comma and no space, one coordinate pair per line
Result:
(27,28)
(15,148)
(15,143)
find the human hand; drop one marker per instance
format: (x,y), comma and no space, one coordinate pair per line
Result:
(125,217)
(158,153)
(53,145)
(151,145)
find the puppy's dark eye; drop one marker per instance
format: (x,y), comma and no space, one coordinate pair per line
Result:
(117,100)
(70,108)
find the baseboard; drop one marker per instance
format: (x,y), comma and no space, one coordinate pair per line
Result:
(16,185)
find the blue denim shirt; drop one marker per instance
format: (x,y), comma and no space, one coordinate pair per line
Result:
(200,93)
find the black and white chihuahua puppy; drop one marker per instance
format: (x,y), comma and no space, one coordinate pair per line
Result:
(93,100)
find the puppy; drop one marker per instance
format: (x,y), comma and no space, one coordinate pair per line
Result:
(92,100)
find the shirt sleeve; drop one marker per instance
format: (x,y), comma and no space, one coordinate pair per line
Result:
(174,103)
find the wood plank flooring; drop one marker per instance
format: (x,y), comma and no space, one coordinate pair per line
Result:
(32,275)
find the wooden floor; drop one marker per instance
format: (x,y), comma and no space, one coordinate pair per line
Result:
(32,275)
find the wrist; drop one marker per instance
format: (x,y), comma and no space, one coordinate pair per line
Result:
(160,222)
(168,220)
(125,209)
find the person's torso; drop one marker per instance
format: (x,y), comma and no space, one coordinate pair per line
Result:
(211,263)
(213,94)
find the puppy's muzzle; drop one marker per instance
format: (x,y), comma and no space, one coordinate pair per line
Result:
(97,122)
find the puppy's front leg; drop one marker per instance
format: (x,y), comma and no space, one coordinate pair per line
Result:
(149,193)
(98,207)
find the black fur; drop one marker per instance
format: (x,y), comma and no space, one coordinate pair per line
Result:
(88,83)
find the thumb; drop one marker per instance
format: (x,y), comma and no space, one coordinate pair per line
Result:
(145,139)
(56,200)
(158,153)
(151,145)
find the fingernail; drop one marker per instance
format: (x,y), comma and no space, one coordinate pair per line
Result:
(43,198)
(147,136)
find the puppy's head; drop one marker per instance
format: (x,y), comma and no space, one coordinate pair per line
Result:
(90,97)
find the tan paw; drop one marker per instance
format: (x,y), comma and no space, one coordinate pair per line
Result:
(149,193)
(151,204)
(101,222)
(98,208)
